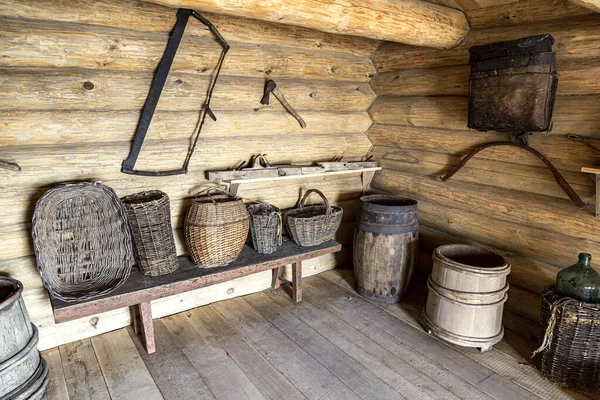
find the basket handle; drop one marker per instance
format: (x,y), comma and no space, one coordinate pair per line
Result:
(317,191)
(210,189)
(277,215)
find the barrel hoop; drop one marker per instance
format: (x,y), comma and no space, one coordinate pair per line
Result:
(456,297)
(15,296)
(33,342)
(472,340)
(387,229)
(468,269)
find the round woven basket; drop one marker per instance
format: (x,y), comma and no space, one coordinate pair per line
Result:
(570,350)
(216,228)
(149,217)
(81,241)
(313,225)
(265,227)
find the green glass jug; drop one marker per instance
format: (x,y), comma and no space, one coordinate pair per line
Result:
(579,281)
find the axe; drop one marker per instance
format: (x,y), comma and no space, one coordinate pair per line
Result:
(271,87)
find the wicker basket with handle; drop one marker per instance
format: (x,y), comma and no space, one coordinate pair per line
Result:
(313,225)
(149,217)
(215,228)
(265,227)
(81,241)
(570,350)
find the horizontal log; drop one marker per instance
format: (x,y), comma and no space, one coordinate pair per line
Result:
(593,5)
(524,12)
(47,127)
(574,39)
(576,78)
(49,164)
(513,206)
(572,114)
(63,89)
(565,154)
(408,21)
(513,177)
(549,247)
(45,44)
(526,273)
(142,16)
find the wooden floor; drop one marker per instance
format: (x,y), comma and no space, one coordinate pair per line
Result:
(334,345)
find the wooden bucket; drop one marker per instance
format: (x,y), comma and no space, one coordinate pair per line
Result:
(385,246)
(22,372)
(467,292)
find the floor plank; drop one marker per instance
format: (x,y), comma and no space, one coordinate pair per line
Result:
(301,369)
(271,383)
(222,375)
(171,370)
(394,371)
(57,388)
(354,375)
(82,371)
(469,370)
(124,370)
(502,359)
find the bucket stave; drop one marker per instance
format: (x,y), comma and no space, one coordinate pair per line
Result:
(385,246)
(23,373)
(467,292)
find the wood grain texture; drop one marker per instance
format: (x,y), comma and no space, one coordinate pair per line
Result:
(124,371)
(57,388)
(593,5)
(82,371)
(505,201)
(414,22)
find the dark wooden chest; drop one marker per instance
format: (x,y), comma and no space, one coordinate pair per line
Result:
(512,86)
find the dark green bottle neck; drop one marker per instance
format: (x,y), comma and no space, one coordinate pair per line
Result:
(585,260)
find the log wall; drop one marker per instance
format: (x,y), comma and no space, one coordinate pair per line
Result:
(74,75)
(505,199)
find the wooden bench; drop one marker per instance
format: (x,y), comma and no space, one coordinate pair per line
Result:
(139,290)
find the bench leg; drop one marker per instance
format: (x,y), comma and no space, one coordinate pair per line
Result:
(276,282)
(297,281)
(145,312)
(135,319)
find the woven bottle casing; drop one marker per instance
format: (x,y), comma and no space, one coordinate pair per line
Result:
(265,227)
(215,229)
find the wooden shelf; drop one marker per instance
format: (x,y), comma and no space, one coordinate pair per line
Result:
(595,171)
(367,177)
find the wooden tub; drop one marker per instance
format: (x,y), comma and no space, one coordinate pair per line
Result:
(467,292)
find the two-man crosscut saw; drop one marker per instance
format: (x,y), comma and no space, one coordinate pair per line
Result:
(183,15)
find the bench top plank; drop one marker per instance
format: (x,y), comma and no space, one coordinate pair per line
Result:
(141,288)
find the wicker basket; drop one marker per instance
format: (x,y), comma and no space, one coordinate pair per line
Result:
(216,228)
(313,225)
(570,349)
(265,227)
(149,217)
(81,241)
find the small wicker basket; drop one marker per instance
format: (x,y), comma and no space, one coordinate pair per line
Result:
(265,227)
(149,217)
(570,349)
(81,241)
(313,225)
(216,228)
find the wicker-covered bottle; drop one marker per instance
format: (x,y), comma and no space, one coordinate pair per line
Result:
(149,217)
(216,228)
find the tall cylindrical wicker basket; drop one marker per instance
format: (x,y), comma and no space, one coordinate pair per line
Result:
(265,227)
(149,217)
(570,350)
(216,228)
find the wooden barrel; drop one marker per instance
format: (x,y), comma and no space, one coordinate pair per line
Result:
(22,371)
(385,246)
(467,292)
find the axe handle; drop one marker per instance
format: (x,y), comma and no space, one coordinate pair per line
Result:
(288,107)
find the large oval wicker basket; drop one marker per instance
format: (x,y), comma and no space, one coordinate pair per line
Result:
(216,228)
(313,225)
(81,241)
(149,216)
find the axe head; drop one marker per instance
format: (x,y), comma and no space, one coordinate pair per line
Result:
(269,87)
